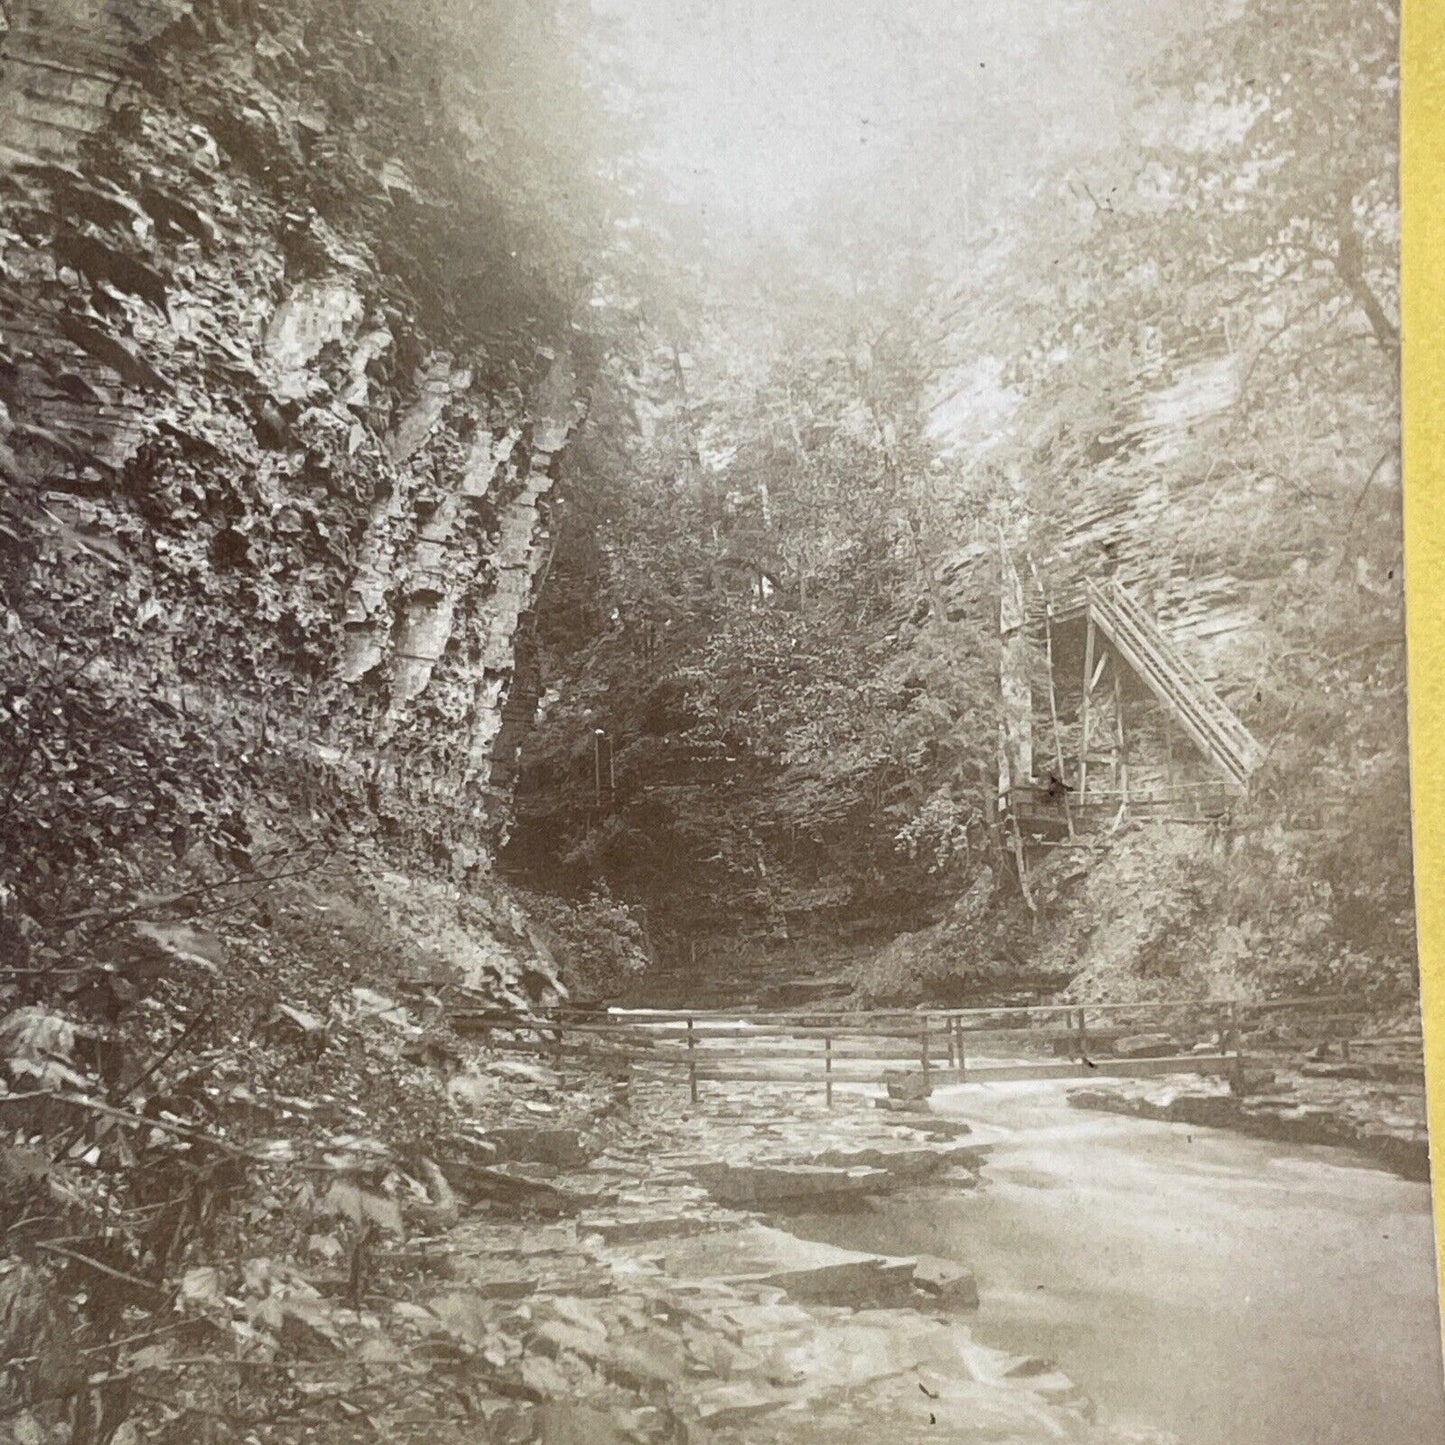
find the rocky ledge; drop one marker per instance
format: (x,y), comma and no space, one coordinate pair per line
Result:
(1381,1120)
(613,1264)
(673,1303)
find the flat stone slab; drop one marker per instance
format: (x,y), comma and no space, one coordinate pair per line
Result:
(642,1228)
(863,1283)
(763,1184)
(1404,1148)
(952,1285)
(1146,1046)
(908,1162)
(817,1273)
(539,1144)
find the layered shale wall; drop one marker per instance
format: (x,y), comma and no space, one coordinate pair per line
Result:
(273,509)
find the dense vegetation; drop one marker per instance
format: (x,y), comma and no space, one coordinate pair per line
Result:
(775,591)
(775,586)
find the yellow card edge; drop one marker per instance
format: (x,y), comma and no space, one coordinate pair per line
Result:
(1423,313)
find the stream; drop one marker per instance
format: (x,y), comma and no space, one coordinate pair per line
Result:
(1232,1290)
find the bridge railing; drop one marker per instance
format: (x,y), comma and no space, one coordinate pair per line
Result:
(818,1048)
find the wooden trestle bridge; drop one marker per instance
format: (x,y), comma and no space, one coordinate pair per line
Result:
(1064,1041)
(1095,773)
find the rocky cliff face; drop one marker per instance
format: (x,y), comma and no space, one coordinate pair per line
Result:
(275,491)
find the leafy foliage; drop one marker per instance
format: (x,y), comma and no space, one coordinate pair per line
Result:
(1193,323)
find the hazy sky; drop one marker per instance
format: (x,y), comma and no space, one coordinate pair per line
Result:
(764,105)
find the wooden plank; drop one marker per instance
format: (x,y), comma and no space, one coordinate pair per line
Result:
(1084,709)
(1061,1070)
(1100,1068)
(1205,715)
(868,1022)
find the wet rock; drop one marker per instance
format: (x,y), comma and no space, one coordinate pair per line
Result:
(1251,1081)
(936,1127)
(541,1144)
(565,1422)
(946,1283)
(912,1110)
(639,1229)
(738,1403)
(1147,1046)
(1335,1071)
(510,1189)
(750,1257)
(1217,1111)
(910,1163)
(527,1073)
(907,1086)
(1030,1367)
(1399,1143)
(760,1185)
(865,1283)
(472,1091)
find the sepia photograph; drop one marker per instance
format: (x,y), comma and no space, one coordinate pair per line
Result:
(703,726)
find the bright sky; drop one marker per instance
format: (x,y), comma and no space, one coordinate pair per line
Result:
(765,105)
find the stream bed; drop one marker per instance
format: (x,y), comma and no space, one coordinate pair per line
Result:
(1233,1291)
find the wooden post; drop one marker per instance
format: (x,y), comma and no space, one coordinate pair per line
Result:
(1054,714)
(948,1039)
(828,1067)
(691,1061)
(962,1064)
(1023,867)
(558,1057)
(1169,757)
(1236,1068)
(1121,766)
(1083,1036)
(923,1047)
(1015,685)
(1089,640)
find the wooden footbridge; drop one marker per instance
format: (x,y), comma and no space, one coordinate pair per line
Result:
(935,1046)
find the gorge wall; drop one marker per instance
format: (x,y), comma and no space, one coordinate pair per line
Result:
(280,411)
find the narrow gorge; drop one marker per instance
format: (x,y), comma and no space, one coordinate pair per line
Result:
(666,673)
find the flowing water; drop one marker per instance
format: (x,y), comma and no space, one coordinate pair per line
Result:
(1234,1291)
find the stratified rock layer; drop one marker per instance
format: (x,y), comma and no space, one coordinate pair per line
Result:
(274,517)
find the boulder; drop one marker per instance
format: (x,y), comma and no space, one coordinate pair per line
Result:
(910,1086)
(434,1051)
